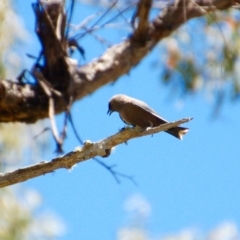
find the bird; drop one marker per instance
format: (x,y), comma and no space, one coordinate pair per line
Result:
(135,112)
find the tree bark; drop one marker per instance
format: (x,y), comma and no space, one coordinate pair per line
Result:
(87,151)
(60,79)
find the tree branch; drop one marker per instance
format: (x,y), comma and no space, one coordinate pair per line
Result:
(87,151)
(27,103)
(119,59)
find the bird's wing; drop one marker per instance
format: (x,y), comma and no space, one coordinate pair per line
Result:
(145,107)
(136,114)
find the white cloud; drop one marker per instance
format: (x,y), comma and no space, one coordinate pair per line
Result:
(225,231)
(138,205)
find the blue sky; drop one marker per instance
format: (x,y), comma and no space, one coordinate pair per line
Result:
(189,183)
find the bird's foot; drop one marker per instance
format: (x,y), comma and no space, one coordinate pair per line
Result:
(146,129)
(125,128)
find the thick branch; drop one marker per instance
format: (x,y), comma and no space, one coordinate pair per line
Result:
(88,151)
(120,59)
(29,104)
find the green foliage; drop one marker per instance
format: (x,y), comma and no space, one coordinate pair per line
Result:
(18,218)
(18,147)
(204,55)
(11,32)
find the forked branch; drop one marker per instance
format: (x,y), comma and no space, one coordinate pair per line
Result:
(28,103)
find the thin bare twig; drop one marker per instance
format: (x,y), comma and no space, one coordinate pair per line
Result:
(95,27)
(66,117)
(95,24)
(72,4)
(84,23)
(114,173)
(55,133)
(120,13)
(43,131)
(51,109)
(74,129)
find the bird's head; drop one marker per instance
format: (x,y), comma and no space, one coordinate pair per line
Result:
(115,103)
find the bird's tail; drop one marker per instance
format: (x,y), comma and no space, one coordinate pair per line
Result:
(178,132)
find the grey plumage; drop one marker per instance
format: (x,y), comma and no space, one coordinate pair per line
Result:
(137,113)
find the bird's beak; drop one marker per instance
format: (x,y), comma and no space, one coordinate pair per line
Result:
(109,112)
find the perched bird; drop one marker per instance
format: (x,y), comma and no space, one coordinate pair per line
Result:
(137,113)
